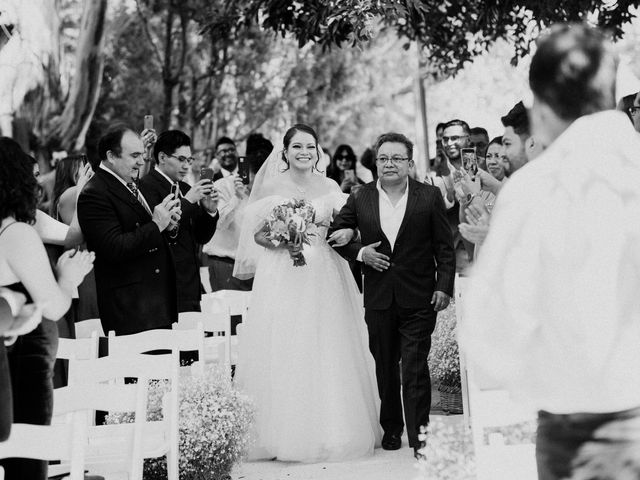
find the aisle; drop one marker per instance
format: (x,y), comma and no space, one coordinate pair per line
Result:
(383,465)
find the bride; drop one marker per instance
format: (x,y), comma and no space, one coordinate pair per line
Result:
(304,356)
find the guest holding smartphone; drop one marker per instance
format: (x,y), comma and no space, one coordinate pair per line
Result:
(342,168)
(199,211)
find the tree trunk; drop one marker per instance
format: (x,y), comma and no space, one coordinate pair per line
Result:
(71,127)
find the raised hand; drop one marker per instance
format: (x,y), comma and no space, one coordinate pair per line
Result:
(149,138)
(341,237)
(242,190)
(84,175)
(200,190)
(377,261)
(210,202)
(166,211)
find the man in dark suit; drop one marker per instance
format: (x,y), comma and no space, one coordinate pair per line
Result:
(135,274)
(172,154)
(408,259)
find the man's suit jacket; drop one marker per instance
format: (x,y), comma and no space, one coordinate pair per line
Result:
(196,228)
(422,259)
(134,270)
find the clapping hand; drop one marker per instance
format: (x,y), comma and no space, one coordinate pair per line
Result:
(84,175)
(374,259)
(73,265)
(341,237)
(476,228)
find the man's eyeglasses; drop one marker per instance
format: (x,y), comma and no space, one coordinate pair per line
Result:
(181,159)
(225,151)
(453,138)
(633,110)
(395,160)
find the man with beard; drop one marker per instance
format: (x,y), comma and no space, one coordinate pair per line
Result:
(227,156)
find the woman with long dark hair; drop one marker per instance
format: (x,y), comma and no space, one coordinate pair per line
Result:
(63,202)
(24,268)
(342,168)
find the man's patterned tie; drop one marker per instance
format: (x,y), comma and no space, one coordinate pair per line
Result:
(134,189)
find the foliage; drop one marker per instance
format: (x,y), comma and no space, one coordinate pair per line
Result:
(214,421)
(450,32)
(444,360)
(449,451)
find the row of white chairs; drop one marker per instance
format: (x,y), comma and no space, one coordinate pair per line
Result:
(109,449)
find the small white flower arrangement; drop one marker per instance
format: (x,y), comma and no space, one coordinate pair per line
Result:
(214,423)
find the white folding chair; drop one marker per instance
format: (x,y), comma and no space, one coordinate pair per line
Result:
(216,347)
(160,339)
(85,328)
(62,442)
(236,301)
(122,448)
(489,408)
(78,348)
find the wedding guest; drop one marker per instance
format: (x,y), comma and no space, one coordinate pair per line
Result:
(199,207)
(219,254)
(368,161)
(480,139)
(226,156)
(342,168)
(496,160)
(519,147)
(134,269)
(24,268)
(63,201)
(552,305)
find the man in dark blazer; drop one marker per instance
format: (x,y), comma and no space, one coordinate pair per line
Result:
(134,270)
(172,154)
(406,248)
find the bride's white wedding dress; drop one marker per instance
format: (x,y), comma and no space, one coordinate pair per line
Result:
(304,356)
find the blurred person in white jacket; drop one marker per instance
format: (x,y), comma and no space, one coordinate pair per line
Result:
(552,311)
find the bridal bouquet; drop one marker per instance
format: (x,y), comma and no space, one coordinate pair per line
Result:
(292,223)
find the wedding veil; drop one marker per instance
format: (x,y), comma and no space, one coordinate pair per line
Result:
(248,250)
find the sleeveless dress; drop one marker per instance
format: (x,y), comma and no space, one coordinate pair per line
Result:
(30,362)
(304,356)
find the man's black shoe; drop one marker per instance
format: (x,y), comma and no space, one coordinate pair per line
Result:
(418,455)
(391,441)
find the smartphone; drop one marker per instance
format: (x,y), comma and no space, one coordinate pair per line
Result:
(83,159)
(206,173)
(174,190)
(148,122)
(469,160)
(350,174)
(243,170)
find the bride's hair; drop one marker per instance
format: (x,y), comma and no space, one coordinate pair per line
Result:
(286,141)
